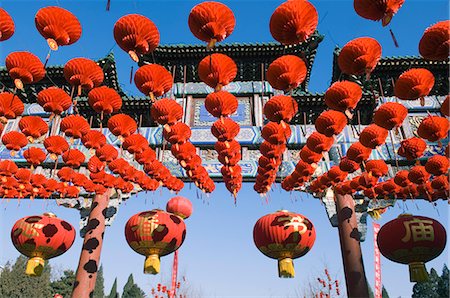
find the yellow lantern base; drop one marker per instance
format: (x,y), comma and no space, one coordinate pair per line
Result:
(286,268)
(418,272)
(152,264)
(35,266)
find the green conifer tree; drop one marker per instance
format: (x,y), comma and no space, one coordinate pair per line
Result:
(131,290)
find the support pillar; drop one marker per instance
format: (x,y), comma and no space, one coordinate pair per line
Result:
(92,246)
(355,276)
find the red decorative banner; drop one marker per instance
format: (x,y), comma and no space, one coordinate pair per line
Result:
(378,286)
(173,290)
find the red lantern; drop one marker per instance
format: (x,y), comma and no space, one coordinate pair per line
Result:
(217,70)
(122,125)
(434,44)
(225,129)
(433,128)
(412,240)
(145,157)
(412,148)
(359,56)
(135,144)
(34,156)
(221,104)
(83,74)
(154,234)
(284,236)
(10,105)
(166,111)
(377,10)
(440,183)
(107,153)
(56,145)
(414,84)
(179,133)
(348,165)
(358,153)
(75,126)
(401,178)
(281,109)
(179,206)
(211,22)
(41,238)
(445,107)
(377,168)
(319,143)
(293,22)
(437,165)
(54,100)
(275,133)
(153,80)
(58,26)
(14,141)
(336,175)
(104,100)
(24,68)
(286,72)
(73,158)
(373,136)
(309,156)
(390,115)
(33,127)
(343,96)
(6,25)
(95,165)
(330,123)
(136,35)
(418,175)
(93,140)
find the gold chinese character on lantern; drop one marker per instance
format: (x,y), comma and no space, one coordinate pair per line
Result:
(421,230)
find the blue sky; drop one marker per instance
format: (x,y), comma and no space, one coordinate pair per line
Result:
(218,257)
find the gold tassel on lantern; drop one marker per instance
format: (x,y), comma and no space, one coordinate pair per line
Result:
(152,264)
(286,268)
(35,266)
(418,272)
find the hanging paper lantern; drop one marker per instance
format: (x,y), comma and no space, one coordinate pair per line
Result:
(104,100)
(41,238)
(34,156)
(33,127)
(107,153)
(217,70)
(418,175)
(179,206)
(319,143)
(83,74)
(166,111)
(390,187)
(58,26)
(271,151)
(95,165)
(179,133)
(433,128)
(24,68)
(14,141)
(184,152)
(275,133)
(330,123)
(401,178)
(153,80)
(10,105)
(367,181)
(56,145)
(437,165)
(66,174)
(412,148)
(440,183)
(390,115)
(93,140)
(211,22)
(54,100)
(413,84)
(373,136)
(225,129)
(286,72)
(6,25)
(75,126)
(434,44)
(309,156)
(293,22)
(118,166)
(145,157)
(336,175)
(377,10)
(358,152)
(284,236)
(135,144)
(348,165)
(343,96)
(377,168)
(412,240)
(7,169)
(359,56)
(73,158)
(122,125)
(281,109)
(221,104)
(445,106)
(154,234)
(136,35)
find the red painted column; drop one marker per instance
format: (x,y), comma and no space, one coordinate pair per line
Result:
(349,236)
(92,246)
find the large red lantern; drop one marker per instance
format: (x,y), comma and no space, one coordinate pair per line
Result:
(154,234)
(412,240)
(153,80)
(434,44)
(40,238)
(217,70)
(359,56)
(24,68)
(284,236)
(376,10)
(286,72)
(6,25)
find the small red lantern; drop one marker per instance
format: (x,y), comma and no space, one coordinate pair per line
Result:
(154,234)
(179,206)
(41,238)
(412,240)
(284,236)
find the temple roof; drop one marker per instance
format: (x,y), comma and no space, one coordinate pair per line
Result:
(248,56)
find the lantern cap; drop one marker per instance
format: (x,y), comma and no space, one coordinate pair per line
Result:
(405,215)
(49,214)
(283,210)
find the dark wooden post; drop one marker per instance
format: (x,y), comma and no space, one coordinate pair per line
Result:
(349,236)
(92,246)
